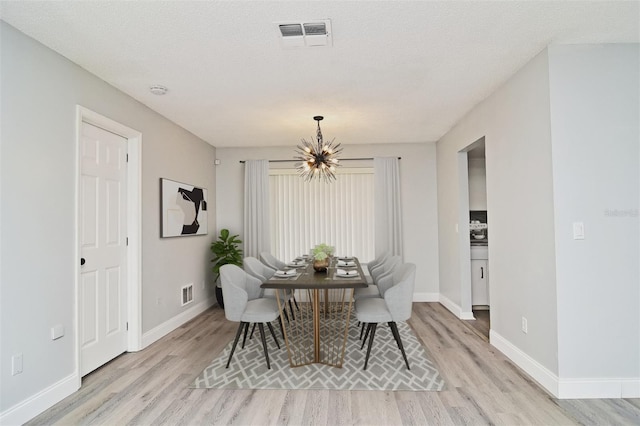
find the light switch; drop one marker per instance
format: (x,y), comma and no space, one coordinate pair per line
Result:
(57,331)
(578,230)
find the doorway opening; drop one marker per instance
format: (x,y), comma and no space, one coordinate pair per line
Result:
(474,238)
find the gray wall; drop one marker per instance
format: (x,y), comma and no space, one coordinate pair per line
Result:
(594,120)
(562,146)
(477,184)
(418,186)
(40,91)
(515,123)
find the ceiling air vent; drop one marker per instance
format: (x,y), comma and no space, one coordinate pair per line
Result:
(315,29)
(305,34)
(291,30)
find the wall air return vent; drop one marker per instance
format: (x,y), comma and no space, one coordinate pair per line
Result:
(305,34)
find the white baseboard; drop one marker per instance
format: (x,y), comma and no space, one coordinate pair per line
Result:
(36,404)
(581,388)
(605,388)
(455,308)
(167,327)
(533,368)
(426,297)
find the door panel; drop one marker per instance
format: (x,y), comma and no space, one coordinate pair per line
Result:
(89,294)
(103,246)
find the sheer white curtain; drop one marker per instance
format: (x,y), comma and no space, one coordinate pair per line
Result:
(340,213)
(257,234)
(388,206)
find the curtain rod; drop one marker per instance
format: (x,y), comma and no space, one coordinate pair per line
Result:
(341,159)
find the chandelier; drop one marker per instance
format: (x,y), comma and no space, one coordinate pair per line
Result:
(317,159)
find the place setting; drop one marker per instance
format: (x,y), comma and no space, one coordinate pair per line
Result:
(298,262)
(346,273)
(286,273)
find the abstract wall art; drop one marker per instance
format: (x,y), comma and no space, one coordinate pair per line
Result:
(183,210)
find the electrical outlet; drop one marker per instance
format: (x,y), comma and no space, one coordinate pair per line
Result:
(159,301)
(16,364)
(524,325)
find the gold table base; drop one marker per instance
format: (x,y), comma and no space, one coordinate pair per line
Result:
(316,330)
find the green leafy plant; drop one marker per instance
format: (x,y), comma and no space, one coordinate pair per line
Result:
(322,251)
(225,251)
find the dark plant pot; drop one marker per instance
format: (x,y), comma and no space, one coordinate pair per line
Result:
(219,297)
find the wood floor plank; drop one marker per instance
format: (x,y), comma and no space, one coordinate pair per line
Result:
(374,408)
(410,410)
(152,387)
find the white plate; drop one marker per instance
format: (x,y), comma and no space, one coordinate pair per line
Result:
(347,276)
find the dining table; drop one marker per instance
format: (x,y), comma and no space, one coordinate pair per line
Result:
(316,327)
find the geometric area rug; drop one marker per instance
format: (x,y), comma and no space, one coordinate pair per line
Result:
(386,369)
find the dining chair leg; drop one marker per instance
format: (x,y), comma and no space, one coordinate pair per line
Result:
(273,334)
(295,302)
(366,334)
(252,330)
(361,330)
(372,326)
(235,342)
(264,344)
(396,335)
(281,326)
(293,316)
(246,329)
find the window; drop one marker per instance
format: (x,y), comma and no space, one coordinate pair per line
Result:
(304,214)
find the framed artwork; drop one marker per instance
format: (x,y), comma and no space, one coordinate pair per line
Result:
(183,210)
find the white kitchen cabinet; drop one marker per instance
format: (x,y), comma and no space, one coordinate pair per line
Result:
(479,282)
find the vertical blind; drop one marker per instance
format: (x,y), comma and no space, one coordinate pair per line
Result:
(340,214)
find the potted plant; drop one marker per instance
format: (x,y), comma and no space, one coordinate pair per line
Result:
(321,254)
(225,251)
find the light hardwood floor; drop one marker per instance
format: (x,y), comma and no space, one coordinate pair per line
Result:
(481,325)
(151,387)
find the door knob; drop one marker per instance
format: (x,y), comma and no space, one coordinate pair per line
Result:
(82,261)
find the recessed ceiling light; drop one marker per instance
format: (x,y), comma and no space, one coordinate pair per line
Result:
(157,89)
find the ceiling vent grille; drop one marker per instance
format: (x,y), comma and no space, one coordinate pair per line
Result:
(291,30)
(315,28)
(305,34)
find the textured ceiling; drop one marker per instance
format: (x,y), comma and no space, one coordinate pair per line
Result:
(397,72)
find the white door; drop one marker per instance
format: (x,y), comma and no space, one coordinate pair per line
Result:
(103,247)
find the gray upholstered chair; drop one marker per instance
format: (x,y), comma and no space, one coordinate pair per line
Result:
(276,264)
(394,305)
(378,273)
(374,264)
(259,270)
(385,267)
(243,303)
(256,268)
(271,261)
